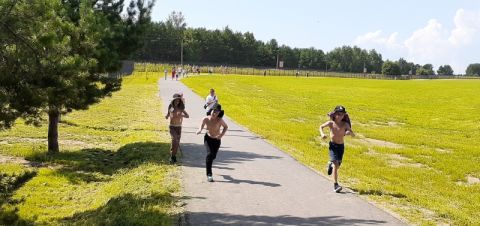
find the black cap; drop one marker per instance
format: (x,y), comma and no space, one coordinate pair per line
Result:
(177,95)
(217,107)
(340,108)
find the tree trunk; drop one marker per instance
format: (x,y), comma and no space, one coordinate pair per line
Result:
(53,118)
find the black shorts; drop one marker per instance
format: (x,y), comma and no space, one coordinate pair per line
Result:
(336,151)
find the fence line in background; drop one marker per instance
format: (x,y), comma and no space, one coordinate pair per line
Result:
(160,67)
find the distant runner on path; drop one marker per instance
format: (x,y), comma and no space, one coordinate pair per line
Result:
(212,139)
(176,113)
(340,126)
(173,73)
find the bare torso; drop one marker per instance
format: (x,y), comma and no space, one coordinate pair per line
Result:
(176,117)
(213,126)
(337,131)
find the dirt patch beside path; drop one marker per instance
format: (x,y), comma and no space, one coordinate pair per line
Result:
(10,159)
(380,143)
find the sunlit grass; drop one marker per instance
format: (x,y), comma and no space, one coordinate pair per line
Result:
(431,126)
(112,168)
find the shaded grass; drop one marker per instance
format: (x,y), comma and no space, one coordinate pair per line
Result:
(111,170)
(434,121)
(128,209)
(12,177)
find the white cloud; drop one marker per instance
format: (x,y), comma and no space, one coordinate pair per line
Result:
(429,44)
(433,43)
(377,38)
(467,25)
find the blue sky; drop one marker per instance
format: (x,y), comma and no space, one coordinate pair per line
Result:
(423,31)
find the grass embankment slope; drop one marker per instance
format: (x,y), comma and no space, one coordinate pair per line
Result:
(112,168)
(417,151)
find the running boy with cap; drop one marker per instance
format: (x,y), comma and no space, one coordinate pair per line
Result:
(340,126)
(176,113)
(213,136)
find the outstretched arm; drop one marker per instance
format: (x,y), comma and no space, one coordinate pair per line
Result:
(327,124)
(201,126)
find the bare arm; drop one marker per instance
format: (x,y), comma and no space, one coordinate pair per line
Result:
(349,131)
(225,128)
(185,114)
(168,111)
(326,124)
(201,126)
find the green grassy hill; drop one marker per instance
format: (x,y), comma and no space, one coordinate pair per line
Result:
(417,151)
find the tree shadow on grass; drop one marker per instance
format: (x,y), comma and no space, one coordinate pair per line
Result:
(128,209)
(90,165)
(96,165)
(9,184)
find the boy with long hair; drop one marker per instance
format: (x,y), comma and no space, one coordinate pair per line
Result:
(340,126)
(176,113)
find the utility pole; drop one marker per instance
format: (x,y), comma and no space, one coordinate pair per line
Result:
(326,65)
(277,59)
(181,53)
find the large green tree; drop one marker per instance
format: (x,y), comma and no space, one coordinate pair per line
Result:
(445,70)
(55,56)
(473,70)
(426,69)
(391,68)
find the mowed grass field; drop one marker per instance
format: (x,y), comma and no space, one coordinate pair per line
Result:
(417,150)
(112,168)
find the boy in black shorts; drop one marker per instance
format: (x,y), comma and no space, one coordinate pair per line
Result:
(340,126)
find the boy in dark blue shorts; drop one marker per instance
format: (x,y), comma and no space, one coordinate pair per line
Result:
(340,126)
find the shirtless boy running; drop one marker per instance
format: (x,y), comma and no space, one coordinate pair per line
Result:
(213,136)
(339,126)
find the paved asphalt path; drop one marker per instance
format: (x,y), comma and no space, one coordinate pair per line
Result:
(255,182)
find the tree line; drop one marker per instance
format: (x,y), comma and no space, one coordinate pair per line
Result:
(172,40)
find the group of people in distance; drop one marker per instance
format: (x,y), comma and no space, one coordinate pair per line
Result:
(339,126)
(177,72)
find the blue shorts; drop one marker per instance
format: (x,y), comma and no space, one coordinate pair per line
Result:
(336,152)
